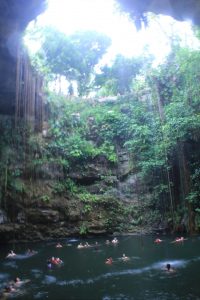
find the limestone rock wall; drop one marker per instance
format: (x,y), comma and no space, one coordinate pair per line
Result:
(40,210)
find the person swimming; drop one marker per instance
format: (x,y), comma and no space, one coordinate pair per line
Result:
(13,286)
(115,241)
(18,282)
(125,258)
(30,252)
(8,289)
(109,261)
(49,264)
(179,240)
(96,246)
(158,241)
(58,245)
(80,246)
(169,268)
(56,260)
(11,254)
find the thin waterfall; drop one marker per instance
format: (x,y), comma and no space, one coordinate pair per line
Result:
(29,106)
(29,99)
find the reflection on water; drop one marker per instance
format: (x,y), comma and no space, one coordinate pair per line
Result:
(84,274)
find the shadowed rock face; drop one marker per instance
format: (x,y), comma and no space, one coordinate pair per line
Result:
(14,17)
(181,10)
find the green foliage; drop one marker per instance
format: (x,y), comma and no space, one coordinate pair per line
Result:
(83,230)
(73,57)
(87,208)
(17,186)
(71,186)
(197,220)
(87,197)
(118,78)
(11,157)
(88,129)
(45,198)
(59,187)
(154,119)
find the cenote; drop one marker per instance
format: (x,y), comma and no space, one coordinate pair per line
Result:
(84,274)
(100,137)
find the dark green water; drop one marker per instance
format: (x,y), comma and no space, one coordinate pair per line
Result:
(84,274)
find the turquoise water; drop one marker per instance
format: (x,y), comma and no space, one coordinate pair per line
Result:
(84,274)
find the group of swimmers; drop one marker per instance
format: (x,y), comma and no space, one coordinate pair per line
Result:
(109,260)
(57,261)
(87,245)
(177,240)
(181,239)
(168,268)
(28,252)
(125,258)
(12,286)
(54,261)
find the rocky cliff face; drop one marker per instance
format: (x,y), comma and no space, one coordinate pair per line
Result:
(99,198)
(38,207)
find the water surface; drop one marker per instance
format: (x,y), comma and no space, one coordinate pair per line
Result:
(84,274)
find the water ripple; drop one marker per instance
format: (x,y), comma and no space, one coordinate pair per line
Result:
(155,266)
(49,279)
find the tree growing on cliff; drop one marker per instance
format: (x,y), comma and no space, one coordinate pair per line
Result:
(118,78)
(74,56)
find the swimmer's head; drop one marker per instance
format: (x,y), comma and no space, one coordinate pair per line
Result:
(168,266)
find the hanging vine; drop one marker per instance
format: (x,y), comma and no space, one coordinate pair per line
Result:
(29,98)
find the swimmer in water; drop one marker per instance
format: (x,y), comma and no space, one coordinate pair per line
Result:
(11,254)
(87,245)
(109,261)
(18,282)
(13,286)
(125,258)
(158,241)
(58,260)
(96,246)
(8,290)
(30,252)
(80,246)
(169,268)
(179,240)
(49,264)
(58,245)
(115,241)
